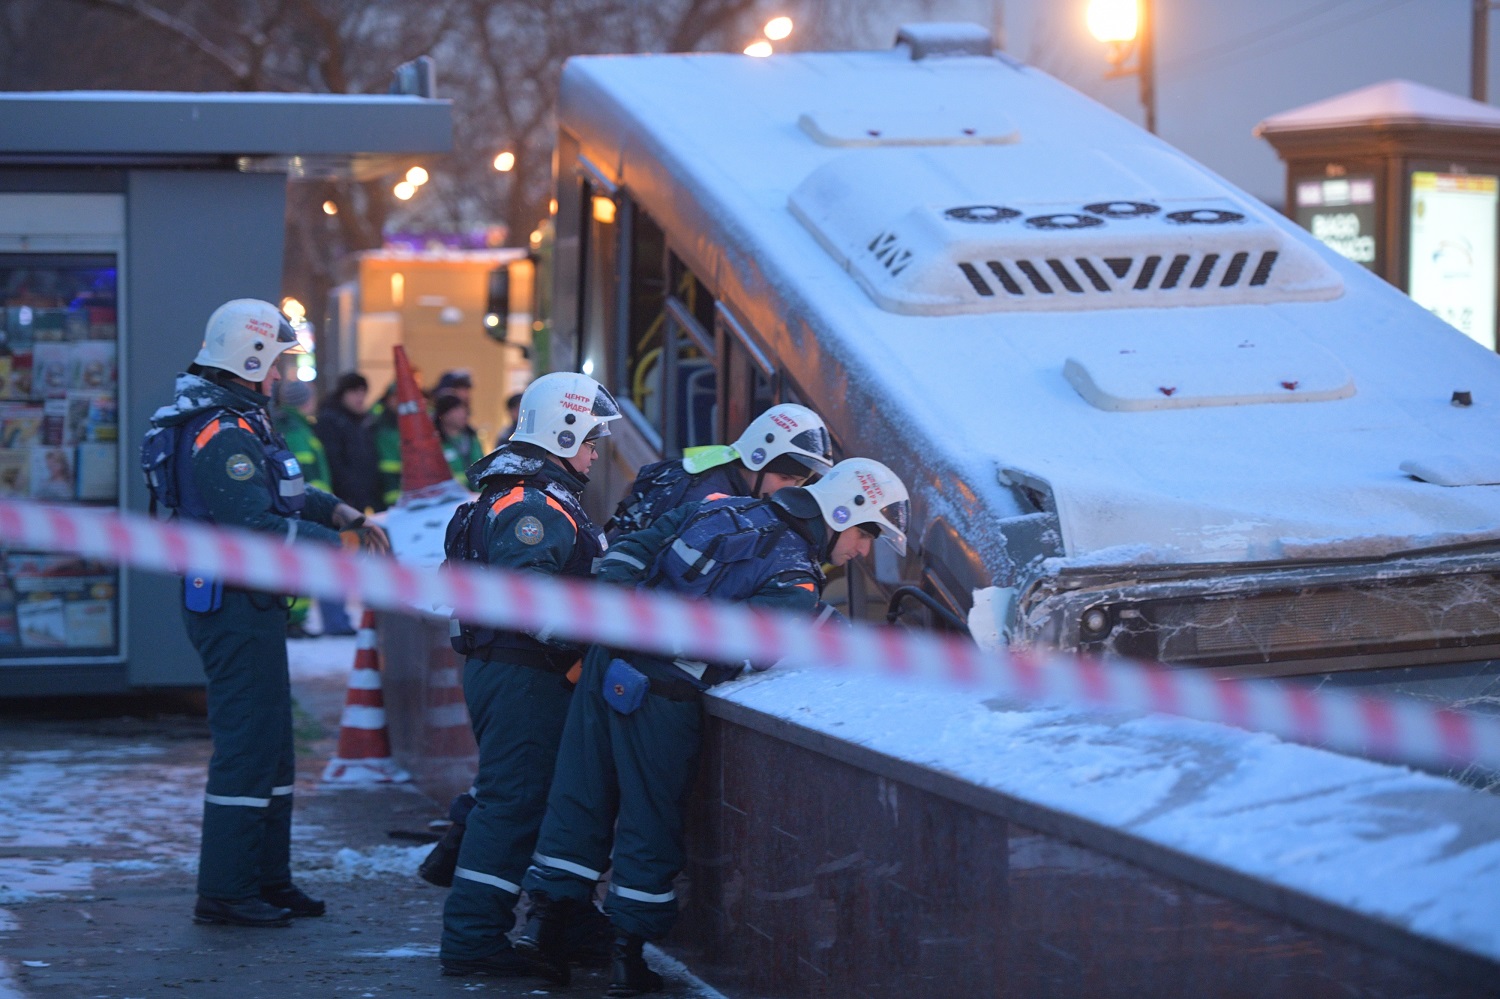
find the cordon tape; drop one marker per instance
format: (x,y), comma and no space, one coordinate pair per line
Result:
(1397,729)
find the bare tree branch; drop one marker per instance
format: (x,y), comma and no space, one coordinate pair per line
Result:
(201,43)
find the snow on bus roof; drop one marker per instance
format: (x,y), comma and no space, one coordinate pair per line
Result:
(1303,448)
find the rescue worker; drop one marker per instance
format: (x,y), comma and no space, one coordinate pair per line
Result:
(787,445)
(212,456)
(529,516)
(629,752)
(385,431)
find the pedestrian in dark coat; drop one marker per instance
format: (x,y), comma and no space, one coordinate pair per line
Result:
(350,447)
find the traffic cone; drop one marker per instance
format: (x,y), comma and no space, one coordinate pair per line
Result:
(423,466)
(364,753)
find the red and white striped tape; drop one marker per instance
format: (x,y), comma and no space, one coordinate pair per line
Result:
(582,611)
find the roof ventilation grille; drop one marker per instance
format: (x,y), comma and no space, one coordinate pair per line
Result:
(989,255)
(1095,275)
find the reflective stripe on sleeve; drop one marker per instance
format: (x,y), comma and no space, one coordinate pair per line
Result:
(240,801)
(629,560)
(700,563)
(643,896)
(566,865)
(277,792)
(487,879)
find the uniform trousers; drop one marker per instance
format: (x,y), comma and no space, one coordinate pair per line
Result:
(247,810)
(621,779)
(517,713)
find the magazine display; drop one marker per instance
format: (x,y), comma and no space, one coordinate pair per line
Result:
(59,443)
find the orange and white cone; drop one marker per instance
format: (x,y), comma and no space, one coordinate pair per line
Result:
(364,753)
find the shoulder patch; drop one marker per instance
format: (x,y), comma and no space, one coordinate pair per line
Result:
(239,467)
(529,531)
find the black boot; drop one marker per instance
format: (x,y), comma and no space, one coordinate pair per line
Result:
(439,864)
(544,940)
(628,974)
(442,860)
(289,896)
(240,912)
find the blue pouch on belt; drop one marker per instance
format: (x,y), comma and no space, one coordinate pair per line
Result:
(201,595)
(625,686)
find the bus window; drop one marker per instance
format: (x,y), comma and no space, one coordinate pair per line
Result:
(696,405)
(691,377)
(601,256)
(641,374)
(749,378)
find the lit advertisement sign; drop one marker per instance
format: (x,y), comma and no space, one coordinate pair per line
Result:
(1453,252)
(1340,211)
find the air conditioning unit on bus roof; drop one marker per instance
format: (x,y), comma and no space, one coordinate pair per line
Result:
(975,254)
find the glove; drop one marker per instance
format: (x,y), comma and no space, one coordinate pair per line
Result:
(345,516)
(365,538)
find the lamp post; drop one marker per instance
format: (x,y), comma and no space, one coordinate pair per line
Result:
(1479,58)
(1128,27)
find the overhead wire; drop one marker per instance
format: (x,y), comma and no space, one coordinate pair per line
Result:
(1283,32)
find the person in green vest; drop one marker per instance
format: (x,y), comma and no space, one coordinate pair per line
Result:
(460,443)
(386,430)
(294,419)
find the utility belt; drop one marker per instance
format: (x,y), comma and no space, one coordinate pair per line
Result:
(548,662)
(492,645)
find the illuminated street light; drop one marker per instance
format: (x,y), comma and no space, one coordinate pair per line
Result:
(330,208)
(1112,20)
(759,49)
(778,28)
(1128,27)
(604,209)
(293,309)
(505,162)
(404,190)
(416,176)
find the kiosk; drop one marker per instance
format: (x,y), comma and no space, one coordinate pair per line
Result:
(1404,180)
(125,219)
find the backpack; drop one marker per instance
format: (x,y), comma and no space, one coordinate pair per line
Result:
(164,451)
(658,488)
(722,550)
(464,542)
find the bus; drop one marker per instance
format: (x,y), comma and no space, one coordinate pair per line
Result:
(1139,411)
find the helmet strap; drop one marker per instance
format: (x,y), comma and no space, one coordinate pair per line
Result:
(760,478)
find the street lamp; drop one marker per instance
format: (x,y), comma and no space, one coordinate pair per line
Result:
(759,49)
(404,190)
(1129,29)
(778,28)
(505,162)
(417,176)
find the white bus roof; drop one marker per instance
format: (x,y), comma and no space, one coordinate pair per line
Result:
(1254,397)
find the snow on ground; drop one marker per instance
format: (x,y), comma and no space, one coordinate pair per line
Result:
(1416,850)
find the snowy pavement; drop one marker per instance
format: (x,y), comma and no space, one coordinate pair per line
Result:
(98,854)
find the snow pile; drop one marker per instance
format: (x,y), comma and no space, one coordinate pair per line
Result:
(376,862)
(321,658)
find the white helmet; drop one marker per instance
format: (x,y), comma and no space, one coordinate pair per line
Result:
(863,491)
(561,410)
(244,337)
(790,431)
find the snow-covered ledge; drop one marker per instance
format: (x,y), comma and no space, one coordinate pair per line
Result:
(1404,862)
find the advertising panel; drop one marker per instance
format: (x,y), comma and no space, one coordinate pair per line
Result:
(1453,249)
(1340,211)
